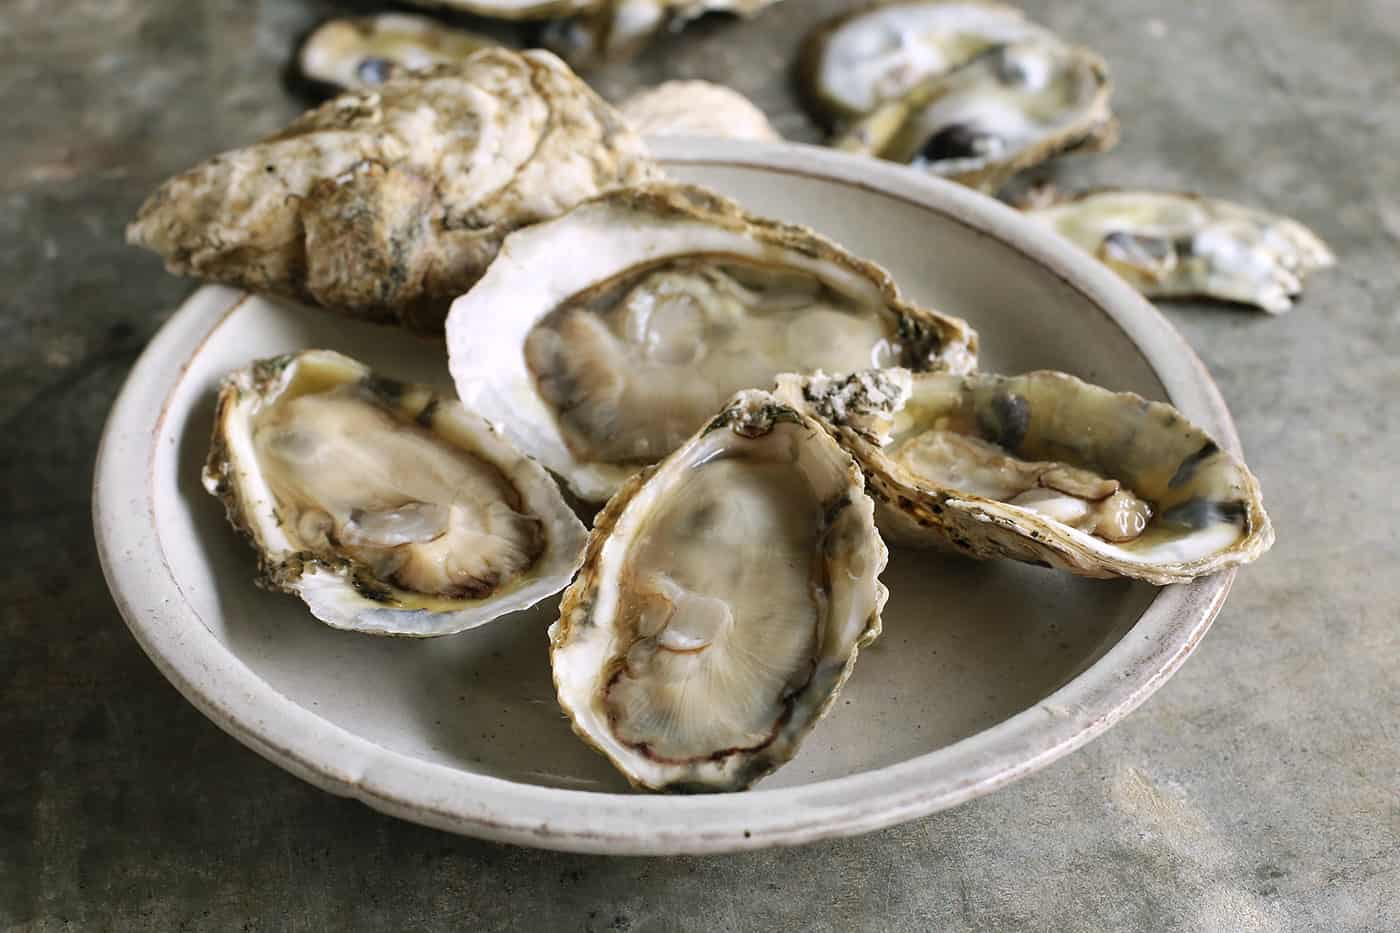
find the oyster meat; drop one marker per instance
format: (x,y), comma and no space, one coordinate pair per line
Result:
(1043,468)
(722,601)
(387,204)
(696,108)
(1170,245)
(363,51)
(386,507)
(1009,108)
(633,317)
(853,62)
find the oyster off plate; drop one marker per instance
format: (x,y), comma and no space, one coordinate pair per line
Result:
(984,673)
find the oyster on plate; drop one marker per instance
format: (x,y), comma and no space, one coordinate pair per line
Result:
(1043,468)
(696,108)
(1009,108)
(723,598)
(388,508)
(856,61)
(387,204)
(364,51)
(1170,245)
(633,317)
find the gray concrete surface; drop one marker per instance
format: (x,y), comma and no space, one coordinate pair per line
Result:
(1259,790)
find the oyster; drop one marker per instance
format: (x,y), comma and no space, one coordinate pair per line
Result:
(722,602)
(1042,468)
(853,62)
(612,30)
(1009,108)
(387,508)
(633,317)
(1171,245)
(696,108)
(363,51)
(387,204)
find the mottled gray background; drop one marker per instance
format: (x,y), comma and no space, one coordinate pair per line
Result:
(1259,790)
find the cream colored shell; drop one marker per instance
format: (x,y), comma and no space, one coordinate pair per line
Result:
(696,108)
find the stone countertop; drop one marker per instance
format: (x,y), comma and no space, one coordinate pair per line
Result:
(1258,790)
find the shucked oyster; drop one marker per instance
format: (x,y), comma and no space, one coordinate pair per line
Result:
(362,52)
(1181,245)
(1042,468)
(388,204)
(633,317)
(721,604)
(1009,108)
(696,108)
(856,61)
(389,509)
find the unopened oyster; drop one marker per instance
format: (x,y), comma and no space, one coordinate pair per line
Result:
(601,340)
(612,30)
(387,204)
(722,602)
(1042,468)
(364,51)
(388,508)
(696,108)
(856,61)
(1170,245)
(1009,108)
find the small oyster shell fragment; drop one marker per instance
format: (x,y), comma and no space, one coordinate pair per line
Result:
(696,108)
(1042,468)
(387,204)
(362,52)
(1171,245)
(633,317)
(614,30)
(855,61)
(387,508)
(1009,108)
(722,601)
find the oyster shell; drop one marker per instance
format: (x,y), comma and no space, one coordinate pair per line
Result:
(855,61)
(387,204)
(387,508)
(696,108)
(613,30)
(633,317)
(363,51)
(1007,109)
(722,602)
(1170,245)
(1042,468)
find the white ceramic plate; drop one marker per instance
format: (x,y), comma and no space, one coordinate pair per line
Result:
(985,672)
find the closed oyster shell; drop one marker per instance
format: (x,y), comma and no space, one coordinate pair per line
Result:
(387,508)
(1172,245)
(722,602)
(1042,468)
(634,316)
(696,108)
(1009,108)
(386,205)
(614,30)
(364,51)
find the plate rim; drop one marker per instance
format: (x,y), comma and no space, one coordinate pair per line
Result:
(230,694)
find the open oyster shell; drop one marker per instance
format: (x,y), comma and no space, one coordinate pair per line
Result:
(387,204)
(1011,107)
(364,51)
(1042,468)
(696,108)
(614,30)
(387,508)
(722,602)
(1170,245)
(633,317)
(856,61)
